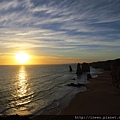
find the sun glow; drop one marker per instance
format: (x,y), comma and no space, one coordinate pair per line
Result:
(22,57)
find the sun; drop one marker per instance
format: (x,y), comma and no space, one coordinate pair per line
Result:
(22,57)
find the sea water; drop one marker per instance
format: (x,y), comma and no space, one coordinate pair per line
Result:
(39,89)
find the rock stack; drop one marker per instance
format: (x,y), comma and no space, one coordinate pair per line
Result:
(85,67)
(89,76)
(70,68)
(79,70)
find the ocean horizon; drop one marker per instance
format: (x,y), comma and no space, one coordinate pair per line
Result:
(39,89)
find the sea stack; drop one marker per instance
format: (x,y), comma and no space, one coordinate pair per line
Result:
(89,76)
(79,70)
(70,68)
(85,67)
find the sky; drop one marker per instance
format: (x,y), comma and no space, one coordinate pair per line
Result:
(59,31)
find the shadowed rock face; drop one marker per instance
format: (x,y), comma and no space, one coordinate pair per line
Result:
(79,70)
(106,65)
(115,69)
(70,68)
(89,76)
(85,67)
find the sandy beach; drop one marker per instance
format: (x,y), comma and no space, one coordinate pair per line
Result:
(101,98)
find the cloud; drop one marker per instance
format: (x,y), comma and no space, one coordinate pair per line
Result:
(6,54)
(6,5)
(36,38)
(58,26)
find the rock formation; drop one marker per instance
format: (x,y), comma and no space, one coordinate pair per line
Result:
(75,85)
(89,76)
(85,67)
(105,65)
(79,70)
(70,68)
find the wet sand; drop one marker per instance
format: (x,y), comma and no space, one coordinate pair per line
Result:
(101,98)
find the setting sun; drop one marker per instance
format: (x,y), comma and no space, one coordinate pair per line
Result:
(22,57)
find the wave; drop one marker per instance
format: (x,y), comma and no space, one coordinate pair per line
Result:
(45,91)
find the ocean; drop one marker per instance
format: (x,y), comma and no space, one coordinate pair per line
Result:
(39,89)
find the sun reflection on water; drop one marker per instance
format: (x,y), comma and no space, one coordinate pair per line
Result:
(22,94)
(22,83)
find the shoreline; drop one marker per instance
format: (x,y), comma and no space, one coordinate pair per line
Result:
(101,98)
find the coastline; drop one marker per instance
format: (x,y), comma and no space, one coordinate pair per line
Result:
(101,98)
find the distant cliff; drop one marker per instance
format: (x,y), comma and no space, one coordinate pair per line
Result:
(106,65)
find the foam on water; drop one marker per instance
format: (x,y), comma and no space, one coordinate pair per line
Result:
(38,90)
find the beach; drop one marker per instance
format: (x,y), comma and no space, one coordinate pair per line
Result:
(101,98)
